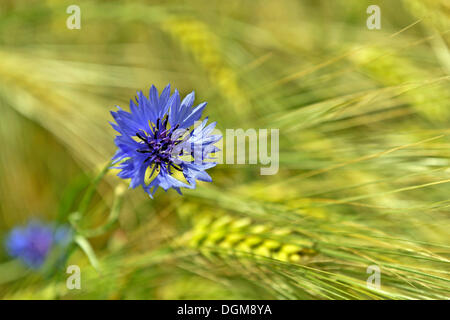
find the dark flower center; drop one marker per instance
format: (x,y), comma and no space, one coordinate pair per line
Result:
(160,145)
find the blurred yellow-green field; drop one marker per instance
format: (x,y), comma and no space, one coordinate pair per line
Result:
(364,148)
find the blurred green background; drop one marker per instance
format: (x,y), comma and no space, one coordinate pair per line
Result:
(364,146)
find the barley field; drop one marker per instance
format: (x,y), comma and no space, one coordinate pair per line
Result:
(362,188)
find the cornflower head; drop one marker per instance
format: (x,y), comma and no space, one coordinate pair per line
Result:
(157,140)
(33,242)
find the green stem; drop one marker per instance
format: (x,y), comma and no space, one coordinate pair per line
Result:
(92,189)
(84,244)
(112,218)
(12,270)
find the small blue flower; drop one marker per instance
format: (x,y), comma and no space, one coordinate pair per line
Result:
(32,243)
(156,139)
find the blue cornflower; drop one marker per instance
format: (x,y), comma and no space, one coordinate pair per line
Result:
(156,141)
(33,243)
